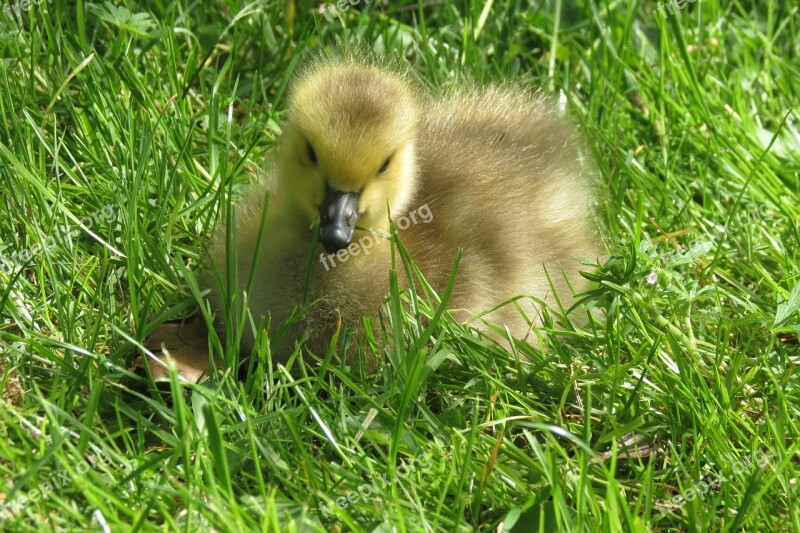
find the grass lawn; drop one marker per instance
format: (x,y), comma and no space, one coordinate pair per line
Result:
(125,133)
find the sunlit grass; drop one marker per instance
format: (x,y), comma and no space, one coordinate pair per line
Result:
(125,132)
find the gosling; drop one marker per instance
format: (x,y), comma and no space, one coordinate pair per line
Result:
(493,172)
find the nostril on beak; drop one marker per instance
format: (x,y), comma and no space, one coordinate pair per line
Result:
(336,237)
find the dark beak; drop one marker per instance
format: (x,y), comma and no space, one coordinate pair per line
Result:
(338,216)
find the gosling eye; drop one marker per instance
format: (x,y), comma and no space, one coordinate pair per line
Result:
(312,155)
(384,166)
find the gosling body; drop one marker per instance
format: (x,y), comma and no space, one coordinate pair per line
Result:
(493,172)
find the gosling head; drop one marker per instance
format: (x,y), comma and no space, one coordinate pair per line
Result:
(347,154)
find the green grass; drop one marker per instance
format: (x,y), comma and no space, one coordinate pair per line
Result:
(123,139)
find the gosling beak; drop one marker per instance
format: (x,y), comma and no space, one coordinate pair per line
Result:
(338,215)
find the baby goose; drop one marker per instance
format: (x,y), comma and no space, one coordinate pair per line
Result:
(493,172)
